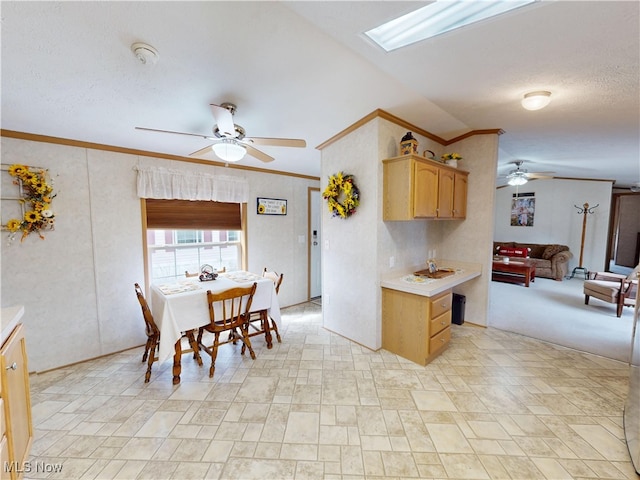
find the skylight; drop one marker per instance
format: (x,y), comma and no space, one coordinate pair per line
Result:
(438,17)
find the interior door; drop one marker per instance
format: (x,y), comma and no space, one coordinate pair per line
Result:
(315,237)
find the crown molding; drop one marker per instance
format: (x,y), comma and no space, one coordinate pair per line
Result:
(379,113)
(131,151)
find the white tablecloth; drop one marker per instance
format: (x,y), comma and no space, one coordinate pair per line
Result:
(182,306)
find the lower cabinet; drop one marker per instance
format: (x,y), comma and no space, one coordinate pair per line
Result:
(15,399)
(416,327)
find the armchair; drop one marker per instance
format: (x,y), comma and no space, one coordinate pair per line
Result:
(612,288)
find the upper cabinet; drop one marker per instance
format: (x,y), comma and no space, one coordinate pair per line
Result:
(415,187)
(460,195)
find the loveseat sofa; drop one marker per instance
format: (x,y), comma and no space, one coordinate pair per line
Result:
(552,260)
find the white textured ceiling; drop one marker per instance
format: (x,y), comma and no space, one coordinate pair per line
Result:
(304,70)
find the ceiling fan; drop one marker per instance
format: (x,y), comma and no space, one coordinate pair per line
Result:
(520,176)
(230,142)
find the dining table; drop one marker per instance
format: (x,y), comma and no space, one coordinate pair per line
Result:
(181,306)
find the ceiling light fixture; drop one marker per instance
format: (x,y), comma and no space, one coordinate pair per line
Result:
(536,100)
(438,17)
(517,180)
(229,150)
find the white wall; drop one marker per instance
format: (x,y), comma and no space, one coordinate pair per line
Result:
(471,240)
(349,270)
(77,284)
(360,246)
(557,220)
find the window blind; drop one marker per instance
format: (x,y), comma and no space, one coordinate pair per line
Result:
(193,215)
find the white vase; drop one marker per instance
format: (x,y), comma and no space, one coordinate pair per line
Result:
(452,163)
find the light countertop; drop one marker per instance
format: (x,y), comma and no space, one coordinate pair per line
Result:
(429,287)
(9,318)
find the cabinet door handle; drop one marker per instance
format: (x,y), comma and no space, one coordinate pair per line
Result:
(443,305)
(13,366)
(442,322)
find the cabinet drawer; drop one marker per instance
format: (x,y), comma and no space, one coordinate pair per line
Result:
(439,340)
(440,323)
(441,304)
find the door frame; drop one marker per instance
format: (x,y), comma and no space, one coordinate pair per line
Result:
(310,239)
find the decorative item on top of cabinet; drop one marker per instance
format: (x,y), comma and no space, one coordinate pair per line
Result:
(408,144)
(415,187)
(416,327)
(16,405)
(451,159)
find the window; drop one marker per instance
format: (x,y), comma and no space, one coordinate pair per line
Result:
(188,236)
(183,235)
(171,252)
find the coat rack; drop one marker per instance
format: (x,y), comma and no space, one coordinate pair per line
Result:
(585,210)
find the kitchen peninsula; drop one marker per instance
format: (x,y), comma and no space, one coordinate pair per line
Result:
(416,311)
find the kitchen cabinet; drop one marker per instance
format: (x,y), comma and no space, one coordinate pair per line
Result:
(460,195)
(415,187)
(445,193)
(416,327)
(17,427)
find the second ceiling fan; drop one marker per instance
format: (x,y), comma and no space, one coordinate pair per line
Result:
(230,140)
(520,176)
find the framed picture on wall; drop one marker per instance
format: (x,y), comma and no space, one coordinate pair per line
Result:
(271,206)
(523,208)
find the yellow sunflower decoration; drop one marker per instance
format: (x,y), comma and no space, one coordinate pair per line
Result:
(342,195)
(37,194)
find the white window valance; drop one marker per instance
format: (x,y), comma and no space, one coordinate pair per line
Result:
(163,183)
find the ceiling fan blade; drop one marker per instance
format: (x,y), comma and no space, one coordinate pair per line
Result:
(539,175)
(206,137)
(224,120)
(202,151)
(276,142)
(254,152)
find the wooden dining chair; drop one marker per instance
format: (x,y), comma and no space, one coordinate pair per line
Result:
(228,312)
(259,321)
(277,281)
(153,336)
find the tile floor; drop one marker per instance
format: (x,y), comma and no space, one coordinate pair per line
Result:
(495,405)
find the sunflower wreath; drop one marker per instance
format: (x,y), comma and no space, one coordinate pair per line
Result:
(37,193)
(342,195)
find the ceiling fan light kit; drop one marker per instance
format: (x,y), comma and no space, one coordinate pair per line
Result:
(229,150)
(517,180)
(231,145)
(145,53)
(520,175)
(536,100)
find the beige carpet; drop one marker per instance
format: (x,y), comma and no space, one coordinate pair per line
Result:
(555,312)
